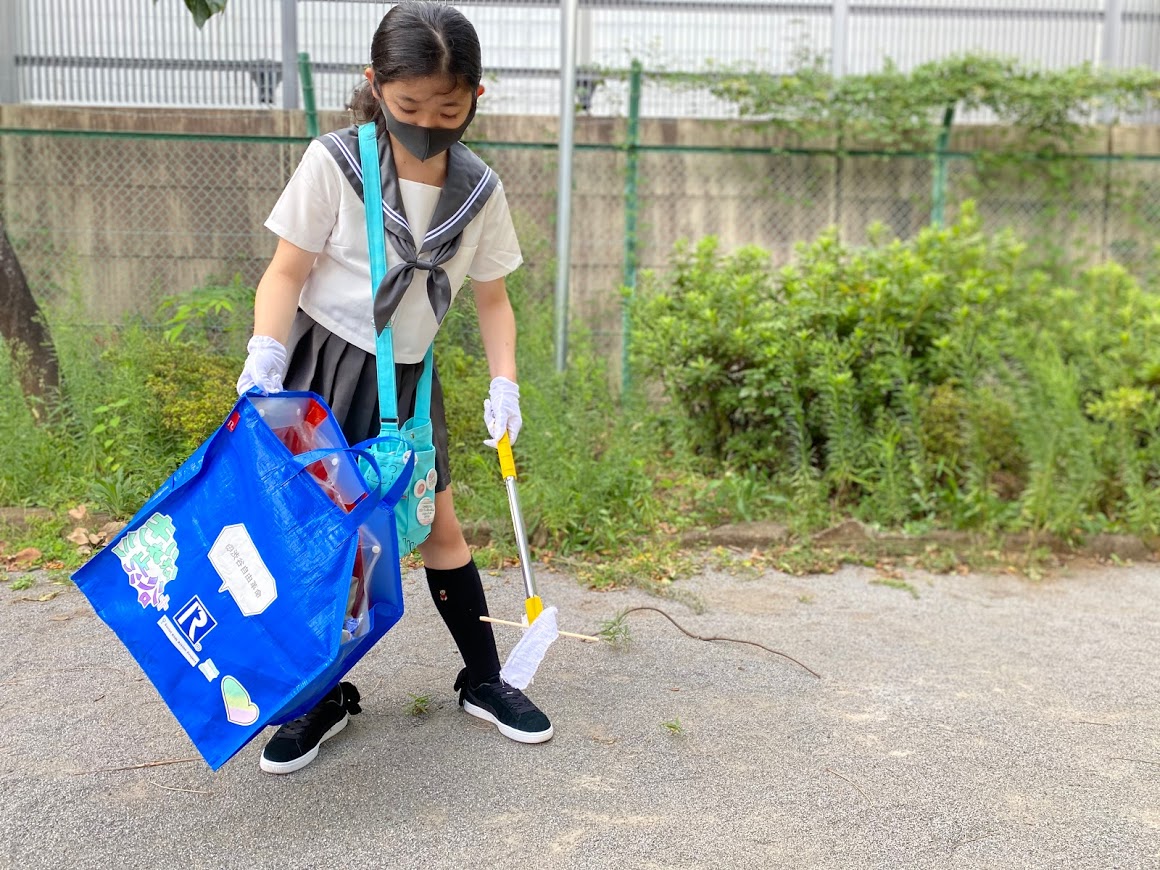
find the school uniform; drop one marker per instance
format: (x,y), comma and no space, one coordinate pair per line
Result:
(331,350)
(435,239)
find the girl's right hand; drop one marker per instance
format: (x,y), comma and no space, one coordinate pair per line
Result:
(501,411)
(264,366)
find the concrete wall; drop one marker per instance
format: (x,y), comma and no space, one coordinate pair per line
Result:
(120,223)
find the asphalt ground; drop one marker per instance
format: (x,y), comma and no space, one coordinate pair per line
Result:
(978,722)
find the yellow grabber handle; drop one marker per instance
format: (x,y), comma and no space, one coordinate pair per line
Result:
(507,466)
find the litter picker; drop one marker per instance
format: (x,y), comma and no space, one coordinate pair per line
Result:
(541,630)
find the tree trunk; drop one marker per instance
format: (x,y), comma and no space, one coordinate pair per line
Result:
(23,328)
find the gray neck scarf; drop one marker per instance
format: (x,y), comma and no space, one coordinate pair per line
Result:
(469,183)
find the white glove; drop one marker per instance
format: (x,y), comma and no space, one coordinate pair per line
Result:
(264,366)
(501,411)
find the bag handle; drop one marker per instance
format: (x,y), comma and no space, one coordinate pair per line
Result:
(384,343)
(363,448)
(375,495)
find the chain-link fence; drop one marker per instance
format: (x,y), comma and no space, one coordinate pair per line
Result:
(116,222)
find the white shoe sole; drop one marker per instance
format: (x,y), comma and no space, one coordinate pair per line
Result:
(507,731)
(306,758)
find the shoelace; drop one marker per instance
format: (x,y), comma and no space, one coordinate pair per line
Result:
(295,727)
(515,699)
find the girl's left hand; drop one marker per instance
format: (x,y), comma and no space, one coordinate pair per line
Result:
(501,411)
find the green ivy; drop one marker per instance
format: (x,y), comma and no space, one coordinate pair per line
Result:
(1049,122)
(1048,109)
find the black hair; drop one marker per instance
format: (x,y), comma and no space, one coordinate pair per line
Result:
(419,38)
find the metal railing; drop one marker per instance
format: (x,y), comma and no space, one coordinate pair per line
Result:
(138,52)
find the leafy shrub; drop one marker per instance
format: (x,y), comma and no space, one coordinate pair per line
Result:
(935,378)
(133,407)
(193,388)
(218,315)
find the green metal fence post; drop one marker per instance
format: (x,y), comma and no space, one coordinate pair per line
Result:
(939,192)
(306,75)
(631,205)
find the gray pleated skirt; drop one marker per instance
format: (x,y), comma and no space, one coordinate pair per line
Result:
(347,378)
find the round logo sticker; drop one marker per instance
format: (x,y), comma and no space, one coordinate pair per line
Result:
(420,488)
(426,511)
(432,479)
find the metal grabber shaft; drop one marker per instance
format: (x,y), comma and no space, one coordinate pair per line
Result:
(507,465)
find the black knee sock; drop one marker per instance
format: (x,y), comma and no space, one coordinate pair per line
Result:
(458,596)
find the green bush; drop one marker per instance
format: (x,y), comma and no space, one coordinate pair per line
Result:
(133,407)
(934,379)
(193,389)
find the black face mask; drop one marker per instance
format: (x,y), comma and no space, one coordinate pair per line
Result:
(425,142)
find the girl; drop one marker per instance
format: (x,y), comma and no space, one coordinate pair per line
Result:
(314,329)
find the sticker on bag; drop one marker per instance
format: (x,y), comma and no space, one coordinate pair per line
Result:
(148,557)
(243,573)
(195,621)
(240,710)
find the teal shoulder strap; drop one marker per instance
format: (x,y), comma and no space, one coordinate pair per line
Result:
(384,345)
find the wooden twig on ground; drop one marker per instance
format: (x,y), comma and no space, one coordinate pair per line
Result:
(729,639)
(175,788)
(1140,760)
(847,779)
(135,766)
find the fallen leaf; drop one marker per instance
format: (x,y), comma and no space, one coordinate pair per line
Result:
(25,557)
(79,536)
(96,539)
(111,529)
(47,596)
(79,512)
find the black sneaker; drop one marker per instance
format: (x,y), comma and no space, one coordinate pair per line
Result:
(506,707)
(296,743)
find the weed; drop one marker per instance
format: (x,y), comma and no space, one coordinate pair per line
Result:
(217,315)
(419,705)
(674,727)
(616,631)
(494,556)
(938,560)
(738,563)
(802,559)
(47,536)
(895,583)
(117,494)
(650,565)
(21,583)
(927,380)
(113,448)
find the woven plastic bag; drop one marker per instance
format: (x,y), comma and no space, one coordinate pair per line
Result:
(233,587)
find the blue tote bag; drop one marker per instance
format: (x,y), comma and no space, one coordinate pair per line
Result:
(232,587)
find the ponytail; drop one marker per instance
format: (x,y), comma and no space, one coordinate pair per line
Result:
(363,105)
